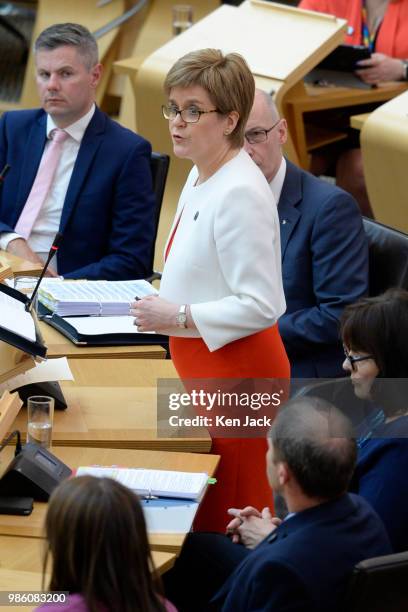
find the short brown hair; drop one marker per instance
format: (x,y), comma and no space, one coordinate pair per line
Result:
(226,78)
(97,538)
(71,35)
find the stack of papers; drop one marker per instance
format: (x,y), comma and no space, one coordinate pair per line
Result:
(97,298)
(160,483)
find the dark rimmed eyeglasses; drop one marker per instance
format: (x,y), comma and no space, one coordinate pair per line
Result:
(188,115)
(257,136)
(353,360)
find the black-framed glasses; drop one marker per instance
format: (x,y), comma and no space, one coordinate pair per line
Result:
(257,136)
(188,115)
(353,360)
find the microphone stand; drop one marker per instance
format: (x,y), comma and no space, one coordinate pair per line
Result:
(53,250)
(51,388)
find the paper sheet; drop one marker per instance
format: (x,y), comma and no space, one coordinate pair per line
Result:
(104,325)
(169,516)
(14,317)
(52,369)
(102,298)
(170,483)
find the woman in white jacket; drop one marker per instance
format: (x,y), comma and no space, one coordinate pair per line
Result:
(221,292)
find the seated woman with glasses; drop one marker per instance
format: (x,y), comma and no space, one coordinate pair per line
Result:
(221,293)
(375,336)
(375,333)
(96,537)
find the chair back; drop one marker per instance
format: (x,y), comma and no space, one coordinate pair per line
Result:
(159,166)
(379,584)
(388,257)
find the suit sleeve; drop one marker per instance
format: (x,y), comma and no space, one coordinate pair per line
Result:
(340,275)
(4,227)
(383,485)
(270,587)
(131,239)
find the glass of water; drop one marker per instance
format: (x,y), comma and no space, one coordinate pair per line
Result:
(40,411)
(182,18)
(26,285)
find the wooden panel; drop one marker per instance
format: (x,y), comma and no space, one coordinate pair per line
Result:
(304,99)
(264,33)
(113,404)
(19,266)
(21,566)
(357,121)
(384,145)
(22,558)
(33,525)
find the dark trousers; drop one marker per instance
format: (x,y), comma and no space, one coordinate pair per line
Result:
(205,562)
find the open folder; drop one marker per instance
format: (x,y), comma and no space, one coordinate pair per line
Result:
(148,483)
(100,331)
(17,326)
(65,304)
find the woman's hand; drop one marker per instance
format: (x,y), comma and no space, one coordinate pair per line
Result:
(153,313)
(379,68)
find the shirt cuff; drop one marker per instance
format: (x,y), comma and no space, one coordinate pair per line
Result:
(7,237)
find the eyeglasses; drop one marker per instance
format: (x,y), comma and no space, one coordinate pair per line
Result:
(257,136)
(188,115)
(353,360)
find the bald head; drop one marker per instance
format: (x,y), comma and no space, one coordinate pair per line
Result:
(264,116)
(317,443)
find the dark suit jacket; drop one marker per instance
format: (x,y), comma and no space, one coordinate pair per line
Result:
(324,268)
(306,563)
(108,214)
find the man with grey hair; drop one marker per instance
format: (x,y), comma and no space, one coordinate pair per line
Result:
(323,246)
(304,562)
(75,171)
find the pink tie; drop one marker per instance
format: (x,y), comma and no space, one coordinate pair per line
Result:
(41,186)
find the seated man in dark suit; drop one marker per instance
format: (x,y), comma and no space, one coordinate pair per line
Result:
(323,244)
(75,171)
(304,562)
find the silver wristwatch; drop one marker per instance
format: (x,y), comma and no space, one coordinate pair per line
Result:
(181,320)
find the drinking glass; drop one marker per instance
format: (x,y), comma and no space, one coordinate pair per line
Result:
(40,414)
(182,18)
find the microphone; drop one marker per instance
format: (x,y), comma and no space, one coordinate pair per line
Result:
(3,173)
(54,248)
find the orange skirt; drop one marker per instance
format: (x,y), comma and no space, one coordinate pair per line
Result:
(241,475)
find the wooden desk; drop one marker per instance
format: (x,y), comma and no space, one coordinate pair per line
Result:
(19,266)
(59,346)
(32,526)
(357,121)
(21,566)
(25,555)
(128,385)
(302,99)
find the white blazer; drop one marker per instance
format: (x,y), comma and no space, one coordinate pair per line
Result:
(225,257)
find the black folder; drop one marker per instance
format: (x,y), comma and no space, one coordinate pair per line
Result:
(110,339)
(37,348)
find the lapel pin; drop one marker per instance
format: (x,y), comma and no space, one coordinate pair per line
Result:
(196,216)
(284,221)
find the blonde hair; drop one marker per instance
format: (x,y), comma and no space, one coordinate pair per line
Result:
(226,78)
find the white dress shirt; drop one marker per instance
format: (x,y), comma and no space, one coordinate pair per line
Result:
(276,183)
(49,217)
